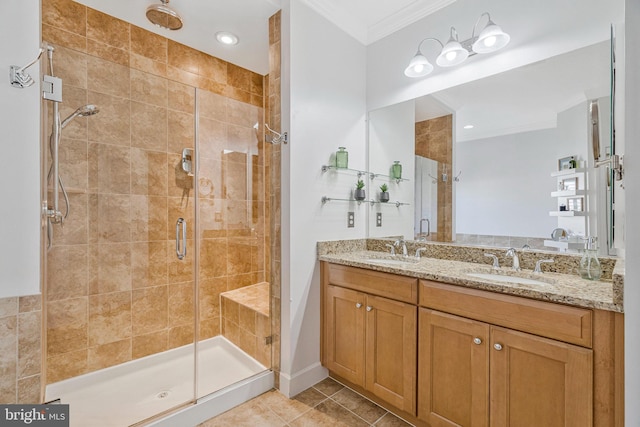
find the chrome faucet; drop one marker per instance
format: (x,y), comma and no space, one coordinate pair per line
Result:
(399,243)
(419,251)
(496,263)
(538,264)
(516,261)
(393,249)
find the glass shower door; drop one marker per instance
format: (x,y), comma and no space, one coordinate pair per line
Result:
(234,321)
(119,301)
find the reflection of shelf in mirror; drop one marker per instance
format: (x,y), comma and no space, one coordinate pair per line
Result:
(568,193)
(356,171)
(373,176)
(564,244)
(567,213)
(568,172)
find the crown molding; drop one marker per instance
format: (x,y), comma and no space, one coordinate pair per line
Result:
(403,17)
(334,11)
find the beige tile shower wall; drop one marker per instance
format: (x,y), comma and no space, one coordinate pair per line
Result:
(274,120)
(434,140)
(116,290)
(20,349)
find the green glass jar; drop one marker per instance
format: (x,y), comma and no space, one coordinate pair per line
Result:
(396,170)
(342,158)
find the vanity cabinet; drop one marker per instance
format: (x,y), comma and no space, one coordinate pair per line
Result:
(370,339)
(447,355)
(531,380)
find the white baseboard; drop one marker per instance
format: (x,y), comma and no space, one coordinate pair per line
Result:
(291,385)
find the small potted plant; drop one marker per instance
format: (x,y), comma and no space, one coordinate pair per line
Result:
(384,194)
(359,194)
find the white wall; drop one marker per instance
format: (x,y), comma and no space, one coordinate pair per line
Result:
(392,137)
(559,27)
(323,107)
(20,140)
(506,183)
(632,170)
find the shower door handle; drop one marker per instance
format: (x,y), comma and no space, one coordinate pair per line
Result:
(181,228)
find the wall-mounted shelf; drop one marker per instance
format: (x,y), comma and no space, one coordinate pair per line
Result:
(326,199)
(360,173)
(568,193)
(568,172)
(373,176)
(567,213)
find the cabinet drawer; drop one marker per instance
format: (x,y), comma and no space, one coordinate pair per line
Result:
(387,285)
(564,323)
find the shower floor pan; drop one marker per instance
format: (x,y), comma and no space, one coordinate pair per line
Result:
(134,391)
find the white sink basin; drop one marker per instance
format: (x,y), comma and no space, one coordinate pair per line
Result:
(506,279)
(389,261)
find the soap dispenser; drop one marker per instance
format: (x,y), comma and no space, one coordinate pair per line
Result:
(589,264)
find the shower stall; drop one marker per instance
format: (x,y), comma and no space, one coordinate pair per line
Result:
(156,292)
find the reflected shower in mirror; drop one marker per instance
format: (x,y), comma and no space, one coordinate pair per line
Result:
(426,197)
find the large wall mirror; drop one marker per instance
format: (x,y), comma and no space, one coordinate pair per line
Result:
(487,159)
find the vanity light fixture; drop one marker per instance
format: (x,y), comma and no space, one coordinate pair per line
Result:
(455,52)
(227,38)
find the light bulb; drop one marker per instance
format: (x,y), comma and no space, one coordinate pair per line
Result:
(451,56)
(418,68)
(490,41)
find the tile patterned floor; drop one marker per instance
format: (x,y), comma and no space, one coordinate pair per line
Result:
(327,403)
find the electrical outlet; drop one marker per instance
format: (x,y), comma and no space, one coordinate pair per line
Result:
(351,219)
(378,219)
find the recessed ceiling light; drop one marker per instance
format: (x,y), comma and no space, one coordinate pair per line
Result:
(227,38)
(468,127)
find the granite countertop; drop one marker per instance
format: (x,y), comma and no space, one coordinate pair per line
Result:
(562,288)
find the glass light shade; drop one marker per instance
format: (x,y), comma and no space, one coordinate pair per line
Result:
(418,67)
(452,54)
(492,38)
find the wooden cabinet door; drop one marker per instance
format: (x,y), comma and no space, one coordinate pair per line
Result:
(344,333)
(453,370)
(391,336)
(539,382)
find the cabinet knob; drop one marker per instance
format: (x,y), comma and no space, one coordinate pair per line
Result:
(369,308)
(497,346)
(477,341)
(358,305)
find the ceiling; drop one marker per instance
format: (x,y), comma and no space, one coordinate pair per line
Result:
(369,21)
(365,20)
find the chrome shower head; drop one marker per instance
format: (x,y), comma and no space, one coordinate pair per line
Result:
(84,111)
(163,16)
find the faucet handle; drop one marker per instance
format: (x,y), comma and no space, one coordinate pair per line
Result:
(539,263)
(496,263)
(393,249)
(419,251)
(510,251)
